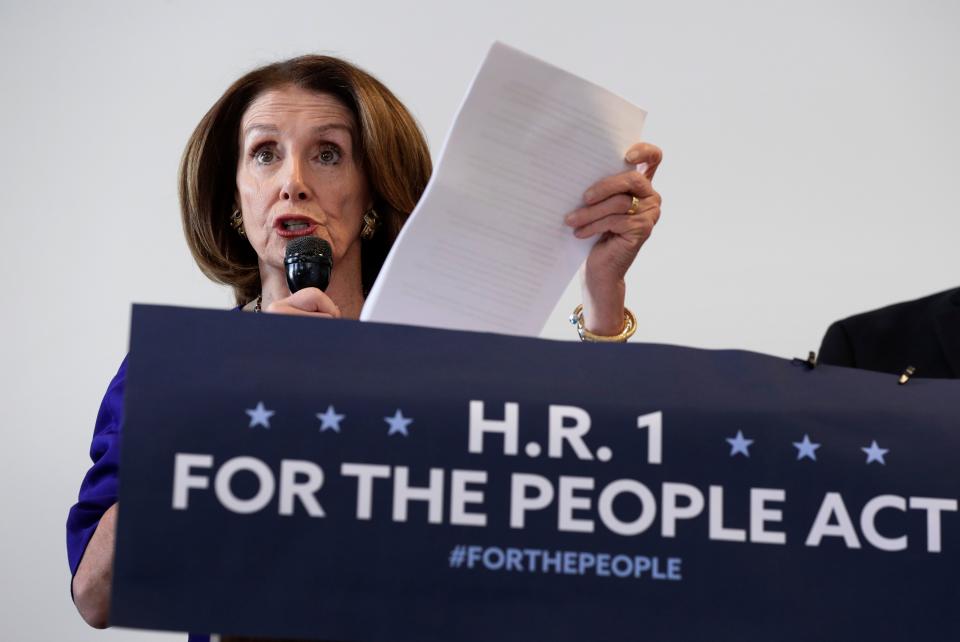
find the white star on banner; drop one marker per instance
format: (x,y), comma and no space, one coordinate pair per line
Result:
(330,420)
(259,416)
(875,453)
(398,424)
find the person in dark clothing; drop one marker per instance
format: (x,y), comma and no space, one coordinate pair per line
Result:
(923,333)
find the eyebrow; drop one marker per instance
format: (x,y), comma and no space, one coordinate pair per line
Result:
(320,129)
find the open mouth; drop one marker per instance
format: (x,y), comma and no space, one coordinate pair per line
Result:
(290,226)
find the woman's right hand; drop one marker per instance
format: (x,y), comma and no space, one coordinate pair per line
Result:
(309,302)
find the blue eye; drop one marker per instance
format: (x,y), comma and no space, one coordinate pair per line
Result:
(330,155)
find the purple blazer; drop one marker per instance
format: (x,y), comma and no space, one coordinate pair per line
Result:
(98,491)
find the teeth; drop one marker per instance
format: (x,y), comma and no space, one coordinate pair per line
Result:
(294,225)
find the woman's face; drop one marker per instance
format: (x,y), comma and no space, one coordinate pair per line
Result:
(297,175)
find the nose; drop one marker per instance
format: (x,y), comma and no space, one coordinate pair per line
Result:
(294,187)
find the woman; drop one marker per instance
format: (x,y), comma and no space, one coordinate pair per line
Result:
(315,146)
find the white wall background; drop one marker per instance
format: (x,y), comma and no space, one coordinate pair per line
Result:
(811,162)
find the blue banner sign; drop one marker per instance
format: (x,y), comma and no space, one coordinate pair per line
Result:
(338,480)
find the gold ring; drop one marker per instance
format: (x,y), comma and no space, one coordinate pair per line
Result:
(634,206)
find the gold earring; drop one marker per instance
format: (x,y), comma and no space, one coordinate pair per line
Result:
(236,222)
(371,221)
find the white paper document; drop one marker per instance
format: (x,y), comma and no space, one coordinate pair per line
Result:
(486,248)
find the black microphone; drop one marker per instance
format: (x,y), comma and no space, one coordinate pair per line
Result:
(308,261)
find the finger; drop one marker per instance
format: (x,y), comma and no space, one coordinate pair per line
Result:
(645,154)
(621,225)
(631,182)
(313,300)
(309,300)
(617,204)
(282,308)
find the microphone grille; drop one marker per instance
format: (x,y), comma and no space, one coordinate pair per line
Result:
(308,246)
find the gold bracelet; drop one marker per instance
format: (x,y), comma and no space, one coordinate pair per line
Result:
(629,327)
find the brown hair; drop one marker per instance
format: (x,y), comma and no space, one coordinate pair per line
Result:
(390,148)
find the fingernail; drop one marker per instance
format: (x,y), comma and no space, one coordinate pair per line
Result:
(633,156)
(642,168)
(588,195)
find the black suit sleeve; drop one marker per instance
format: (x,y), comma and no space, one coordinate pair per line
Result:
(836,348)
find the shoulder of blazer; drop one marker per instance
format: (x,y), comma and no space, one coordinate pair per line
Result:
(923,332)
(905,312)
